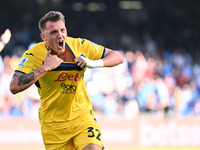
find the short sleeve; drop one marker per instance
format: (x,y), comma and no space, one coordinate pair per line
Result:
(92,50)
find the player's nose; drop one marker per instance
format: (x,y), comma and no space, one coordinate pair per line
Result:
(59,34)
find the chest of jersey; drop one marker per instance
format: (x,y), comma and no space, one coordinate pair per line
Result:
(66,74)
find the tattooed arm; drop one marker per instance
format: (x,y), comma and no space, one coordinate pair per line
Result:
(21,82)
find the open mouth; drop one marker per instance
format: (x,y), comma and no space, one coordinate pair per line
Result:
(60,43)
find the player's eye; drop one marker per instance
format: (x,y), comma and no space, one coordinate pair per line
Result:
(53,32)
(63,30)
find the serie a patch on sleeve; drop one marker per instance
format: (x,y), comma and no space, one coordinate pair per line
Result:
(22,63)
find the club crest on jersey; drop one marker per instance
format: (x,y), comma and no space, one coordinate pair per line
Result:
(22,63)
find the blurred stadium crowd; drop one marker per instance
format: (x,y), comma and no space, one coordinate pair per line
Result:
(160,42)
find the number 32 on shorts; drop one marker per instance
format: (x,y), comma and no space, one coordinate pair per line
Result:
(94,133)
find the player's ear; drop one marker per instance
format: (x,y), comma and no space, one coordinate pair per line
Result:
(42,37)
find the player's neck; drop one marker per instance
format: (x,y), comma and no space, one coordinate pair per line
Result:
(66,56)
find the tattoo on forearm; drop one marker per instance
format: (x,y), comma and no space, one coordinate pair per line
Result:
(39,70)
(26,78)
(15,76)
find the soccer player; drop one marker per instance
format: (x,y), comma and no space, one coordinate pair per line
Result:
(56,66)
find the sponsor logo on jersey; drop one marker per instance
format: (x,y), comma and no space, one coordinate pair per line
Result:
(22,63)
(66,76)
(68,89)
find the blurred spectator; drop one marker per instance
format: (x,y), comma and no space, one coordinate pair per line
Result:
(146,95)
(4,39)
